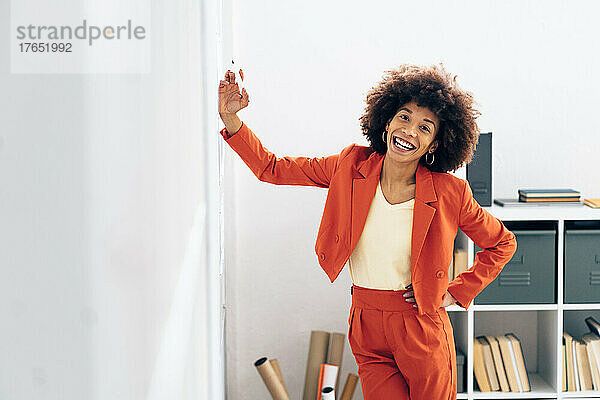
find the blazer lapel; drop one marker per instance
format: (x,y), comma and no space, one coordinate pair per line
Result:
(364,184)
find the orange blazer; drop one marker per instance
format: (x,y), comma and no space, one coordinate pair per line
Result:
(443,203)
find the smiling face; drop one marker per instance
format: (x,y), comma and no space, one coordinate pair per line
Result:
(413,124)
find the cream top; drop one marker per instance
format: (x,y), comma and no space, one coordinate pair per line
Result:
(381,258)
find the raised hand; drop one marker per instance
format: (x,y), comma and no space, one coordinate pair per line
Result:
(230,98)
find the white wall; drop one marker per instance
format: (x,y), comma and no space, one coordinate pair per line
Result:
(102,195)
(308,66)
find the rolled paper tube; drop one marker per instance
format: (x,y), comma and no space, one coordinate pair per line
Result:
(270,379)
(328,393)
(275,365)
(317,355)
(335,353)
(349,387)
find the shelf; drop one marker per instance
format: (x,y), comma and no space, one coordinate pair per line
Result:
(539,326)
(535,213)
(539,389)
(586,394)
(581,306)
(514,307)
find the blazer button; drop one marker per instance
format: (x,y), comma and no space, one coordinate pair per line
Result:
(322,256)
(440,274)
(337,238)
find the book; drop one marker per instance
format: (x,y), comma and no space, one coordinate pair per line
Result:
(510,365)
(490,367)
(593,203)
(520,361)
(568,342)
(552,193)
(593,324)
(549,199)
(479,369)
(592,343)
(564,367)
(575,364)
(509,202)
(498,363)
(583,365)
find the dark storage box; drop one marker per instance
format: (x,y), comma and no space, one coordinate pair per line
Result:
(582,262)
(530,275)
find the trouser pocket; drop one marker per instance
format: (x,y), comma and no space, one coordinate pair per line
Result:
(350,320)
(437,320)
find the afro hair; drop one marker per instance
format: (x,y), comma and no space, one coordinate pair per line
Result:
(434,88)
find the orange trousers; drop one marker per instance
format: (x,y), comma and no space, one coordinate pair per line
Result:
(401,354)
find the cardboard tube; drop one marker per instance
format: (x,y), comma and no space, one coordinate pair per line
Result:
(328,393)
(335,353)
(275,365)
(349,387)
(270,379)
(317,355)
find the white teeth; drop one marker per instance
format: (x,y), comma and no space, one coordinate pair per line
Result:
(403,144)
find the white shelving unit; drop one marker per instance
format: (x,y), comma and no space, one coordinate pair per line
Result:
(539,326)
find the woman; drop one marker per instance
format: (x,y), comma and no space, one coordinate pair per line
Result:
(393,211)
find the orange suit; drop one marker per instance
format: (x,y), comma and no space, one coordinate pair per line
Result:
(443,203)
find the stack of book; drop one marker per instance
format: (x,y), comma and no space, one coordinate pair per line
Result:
(499,364)
(549,195)
(581,359)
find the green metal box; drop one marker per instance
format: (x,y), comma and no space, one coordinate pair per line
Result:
(582,262)
(530,275)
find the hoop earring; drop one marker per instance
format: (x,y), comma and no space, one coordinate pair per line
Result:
(384,137)
(432,158)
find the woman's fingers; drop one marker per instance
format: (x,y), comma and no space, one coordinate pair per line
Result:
(230,78)
(245,98)
(410,297)
(228,87)
(223,86)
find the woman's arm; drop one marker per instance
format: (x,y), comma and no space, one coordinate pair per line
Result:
(267,167)
(232,123)
(489,233)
